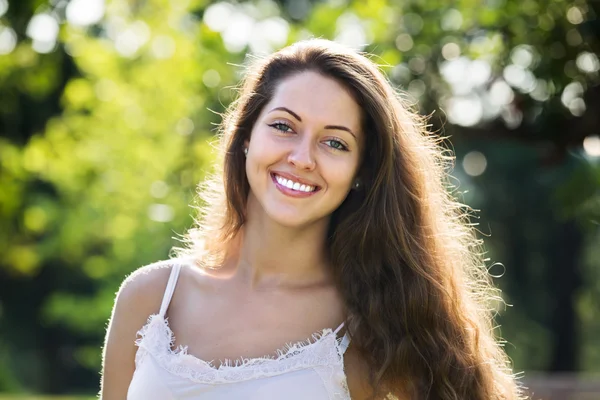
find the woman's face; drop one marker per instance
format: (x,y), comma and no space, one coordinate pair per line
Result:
(304,150)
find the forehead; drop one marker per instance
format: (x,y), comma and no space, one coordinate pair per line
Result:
(317,98)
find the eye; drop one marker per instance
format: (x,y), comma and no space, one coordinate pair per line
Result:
(336,144)
(281,126)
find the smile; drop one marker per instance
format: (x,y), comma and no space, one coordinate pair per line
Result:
(294,185)
(293,188)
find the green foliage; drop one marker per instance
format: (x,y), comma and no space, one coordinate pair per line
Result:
(21,397)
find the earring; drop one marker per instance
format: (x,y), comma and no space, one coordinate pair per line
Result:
(246,151)
(356,185)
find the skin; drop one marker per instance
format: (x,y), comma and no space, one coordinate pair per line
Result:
(277,267)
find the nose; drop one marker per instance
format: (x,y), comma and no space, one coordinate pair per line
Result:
(302,157)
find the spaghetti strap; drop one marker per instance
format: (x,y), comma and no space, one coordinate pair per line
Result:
(338,328)
(170,289)
(345,343)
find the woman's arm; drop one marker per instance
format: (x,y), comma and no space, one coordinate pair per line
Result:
(140,295)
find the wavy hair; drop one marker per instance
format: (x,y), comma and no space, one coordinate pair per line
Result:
(406,258)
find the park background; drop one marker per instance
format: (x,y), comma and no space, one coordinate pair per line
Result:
(108,113)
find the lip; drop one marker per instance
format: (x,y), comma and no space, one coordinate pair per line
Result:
(295,179)
(290,192)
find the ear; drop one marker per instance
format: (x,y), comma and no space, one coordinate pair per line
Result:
(358,181)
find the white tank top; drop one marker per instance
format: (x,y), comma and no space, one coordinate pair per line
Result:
(305,370)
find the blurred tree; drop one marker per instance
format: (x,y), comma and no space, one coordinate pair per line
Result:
(106,116)
(104,134)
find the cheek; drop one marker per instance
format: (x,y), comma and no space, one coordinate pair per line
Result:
(341,174)
(265,152)
(264,144)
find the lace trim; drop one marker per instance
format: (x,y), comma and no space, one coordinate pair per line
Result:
(157,339)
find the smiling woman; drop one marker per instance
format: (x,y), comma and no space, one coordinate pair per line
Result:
(329,219)
(300,136)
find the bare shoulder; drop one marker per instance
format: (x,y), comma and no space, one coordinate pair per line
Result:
(141,292)
(145,286)
(139,296)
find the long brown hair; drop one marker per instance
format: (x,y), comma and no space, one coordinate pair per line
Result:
(406,259)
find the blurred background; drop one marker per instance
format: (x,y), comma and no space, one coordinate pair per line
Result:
(108,109)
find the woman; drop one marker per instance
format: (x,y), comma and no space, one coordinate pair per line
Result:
(330,220)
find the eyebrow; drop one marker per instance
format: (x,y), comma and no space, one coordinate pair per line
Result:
(337,127)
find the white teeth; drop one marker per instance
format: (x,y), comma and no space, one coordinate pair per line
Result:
(294,185)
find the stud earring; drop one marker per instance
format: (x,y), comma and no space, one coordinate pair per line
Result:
(246,151)
(356,185)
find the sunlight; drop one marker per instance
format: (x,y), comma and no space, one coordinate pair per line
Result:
(474,163)
(85,12)
(43,31)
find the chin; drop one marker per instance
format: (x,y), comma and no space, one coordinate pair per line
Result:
(294,215)
(291,219)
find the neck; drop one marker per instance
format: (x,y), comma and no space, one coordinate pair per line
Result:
(271,254)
